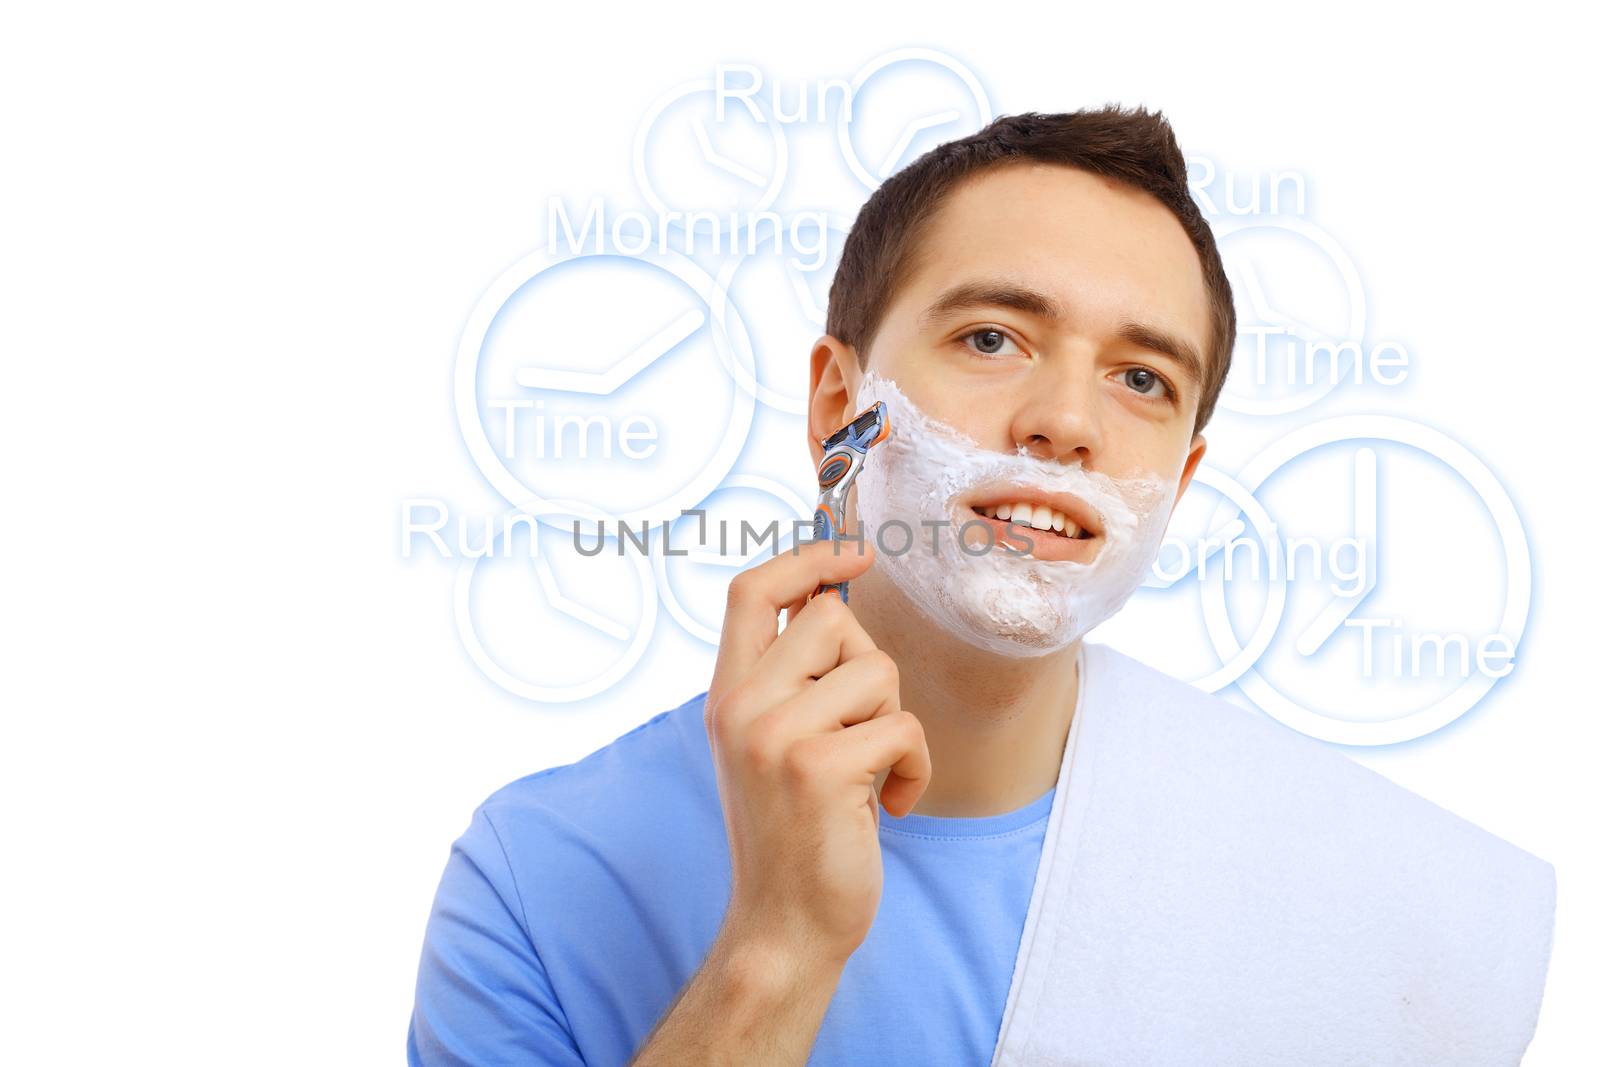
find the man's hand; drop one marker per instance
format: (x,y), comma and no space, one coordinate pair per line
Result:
(801,724)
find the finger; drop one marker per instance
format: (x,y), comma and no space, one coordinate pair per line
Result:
(790,610)
(825,635)
(894,741)
(755,596)
(863,688)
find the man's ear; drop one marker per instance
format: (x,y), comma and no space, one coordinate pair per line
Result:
(1197,448)
(835,380)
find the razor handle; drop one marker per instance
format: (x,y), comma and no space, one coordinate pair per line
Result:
(844,454)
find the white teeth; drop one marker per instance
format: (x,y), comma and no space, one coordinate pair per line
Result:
(1036,516)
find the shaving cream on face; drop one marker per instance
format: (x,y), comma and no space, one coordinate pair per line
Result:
(997,598)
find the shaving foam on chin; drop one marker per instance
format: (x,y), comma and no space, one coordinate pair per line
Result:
(1008,602)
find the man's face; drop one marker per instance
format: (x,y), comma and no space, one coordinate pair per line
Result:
(1090,385)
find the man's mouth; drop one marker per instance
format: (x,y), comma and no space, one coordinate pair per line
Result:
(1036,528)
(1036,516)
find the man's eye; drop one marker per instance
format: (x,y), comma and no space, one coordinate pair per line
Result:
(989,340)
(1146,378)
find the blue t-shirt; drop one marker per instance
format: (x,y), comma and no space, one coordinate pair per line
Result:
(582,898)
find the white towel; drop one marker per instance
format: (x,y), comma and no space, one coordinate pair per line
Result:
(1215,888)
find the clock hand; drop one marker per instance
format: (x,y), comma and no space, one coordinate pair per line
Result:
(1333,615)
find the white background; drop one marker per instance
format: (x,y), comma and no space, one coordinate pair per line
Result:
(239,251)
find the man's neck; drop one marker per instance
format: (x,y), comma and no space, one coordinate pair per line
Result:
(996,725)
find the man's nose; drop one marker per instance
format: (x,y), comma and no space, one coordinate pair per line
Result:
(1058,414)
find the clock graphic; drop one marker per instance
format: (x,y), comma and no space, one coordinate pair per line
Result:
(572,376)
(1429,605)
(686,156)
(1295,287)
(545,621)
(903,103)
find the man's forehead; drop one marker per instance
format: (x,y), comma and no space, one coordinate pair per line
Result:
(1048,212)
(1137,256)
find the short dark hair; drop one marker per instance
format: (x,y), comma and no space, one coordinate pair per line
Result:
(1133,146)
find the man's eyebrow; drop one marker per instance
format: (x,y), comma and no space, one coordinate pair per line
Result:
(970,295)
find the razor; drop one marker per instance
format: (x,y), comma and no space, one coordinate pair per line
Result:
(844,453)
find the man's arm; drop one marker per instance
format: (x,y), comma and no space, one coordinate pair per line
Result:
(748,1003)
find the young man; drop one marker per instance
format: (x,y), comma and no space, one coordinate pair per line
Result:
(1045,312)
